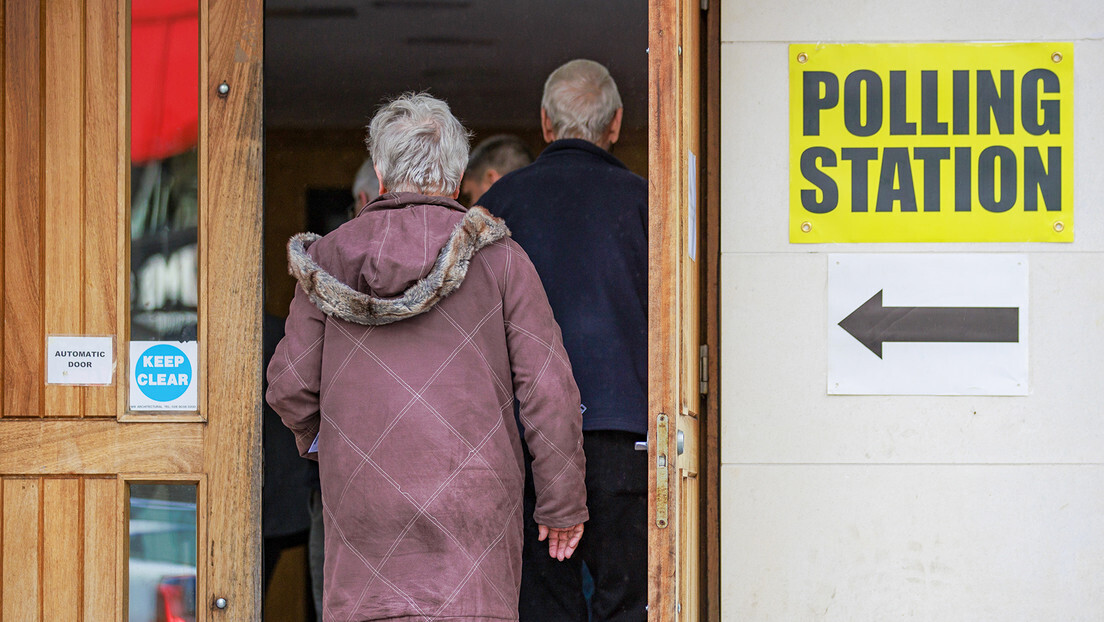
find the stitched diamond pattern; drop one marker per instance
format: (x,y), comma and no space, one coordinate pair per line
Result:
(446,546)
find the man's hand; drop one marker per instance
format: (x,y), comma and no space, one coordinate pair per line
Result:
(562,542)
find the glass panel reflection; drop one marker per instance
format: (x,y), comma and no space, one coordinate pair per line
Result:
(162,569)
(164,197)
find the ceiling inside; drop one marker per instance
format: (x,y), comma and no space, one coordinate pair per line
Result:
(329,63)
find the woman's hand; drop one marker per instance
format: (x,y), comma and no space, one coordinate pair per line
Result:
(562,542)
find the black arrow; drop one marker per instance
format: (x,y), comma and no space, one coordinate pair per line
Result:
(872,324)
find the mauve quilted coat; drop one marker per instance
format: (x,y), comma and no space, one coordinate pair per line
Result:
(413,327)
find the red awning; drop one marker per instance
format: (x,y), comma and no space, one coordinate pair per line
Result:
(164,78)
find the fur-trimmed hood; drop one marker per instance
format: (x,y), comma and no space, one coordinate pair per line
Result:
(386,252)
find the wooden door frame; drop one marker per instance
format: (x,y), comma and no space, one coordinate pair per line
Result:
(711,320)
(663,261)
(231,240)
(664,170)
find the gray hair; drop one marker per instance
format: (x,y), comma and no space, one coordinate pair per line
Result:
(581,99)
(501,152)
(366,180)
(418,146)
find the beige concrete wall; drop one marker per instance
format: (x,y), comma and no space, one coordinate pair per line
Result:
(902,507)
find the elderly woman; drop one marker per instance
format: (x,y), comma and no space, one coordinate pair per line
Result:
(413,328)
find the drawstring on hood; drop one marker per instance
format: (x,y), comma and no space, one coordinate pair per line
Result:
(336,299)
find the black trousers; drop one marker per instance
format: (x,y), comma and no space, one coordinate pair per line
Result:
(614,544)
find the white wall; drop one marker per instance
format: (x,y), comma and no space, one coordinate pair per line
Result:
(871,508)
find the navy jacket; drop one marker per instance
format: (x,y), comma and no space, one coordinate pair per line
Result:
(582,217)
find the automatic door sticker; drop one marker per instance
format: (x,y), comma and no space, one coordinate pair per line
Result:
(163,375)
(80,359)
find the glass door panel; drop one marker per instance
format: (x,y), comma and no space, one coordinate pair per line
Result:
(164,205)
(162,534)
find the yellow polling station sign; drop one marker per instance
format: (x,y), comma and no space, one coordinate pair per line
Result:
(931,142)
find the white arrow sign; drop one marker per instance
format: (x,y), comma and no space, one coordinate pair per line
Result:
(927,324)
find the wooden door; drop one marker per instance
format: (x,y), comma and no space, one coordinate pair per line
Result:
(70,455)
(677,340)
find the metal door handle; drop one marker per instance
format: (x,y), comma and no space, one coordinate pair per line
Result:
(680,443)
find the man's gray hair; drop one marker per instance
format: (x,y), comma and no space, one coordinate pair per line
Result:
(580,98)
(418,146)
(501,152)
(366,180)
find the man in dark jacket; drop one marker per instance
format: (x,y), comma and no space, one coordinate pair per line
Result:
(489,161)
(582,217)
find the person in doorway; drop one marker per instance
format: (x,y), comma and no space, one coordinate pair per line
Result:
(489,161)
(413,327)
(288,478)
(365,186)
(583,218)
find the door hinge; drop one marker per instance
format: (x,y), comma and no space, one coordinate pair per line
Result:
(703,369)
(661,470)
(705,5)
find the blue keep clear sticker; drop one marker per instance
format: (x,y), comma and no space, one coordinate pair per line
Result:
(163,375)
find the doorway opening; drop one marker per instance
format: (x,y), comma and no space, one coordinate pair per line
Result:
(327,67)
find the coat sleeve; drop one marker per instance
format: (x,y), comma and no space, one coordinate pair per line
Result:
(547,395)
(295,372)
